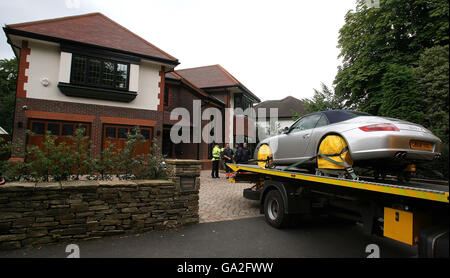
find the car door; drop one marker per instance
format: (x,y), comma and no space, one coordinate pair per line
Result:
(293,145)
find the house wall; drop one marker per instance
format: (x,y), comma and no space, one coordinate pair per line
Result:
(47,61)
(77,110)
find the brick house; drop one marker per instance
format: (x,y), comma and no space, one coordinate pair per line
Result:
(89,71)
(179,92)
(219,89)
(220,84)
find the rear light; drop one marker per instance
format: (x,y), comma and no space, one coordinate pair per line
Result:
(379,127)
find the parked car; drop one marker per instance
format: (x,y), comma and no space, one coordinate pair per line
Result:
(371,140)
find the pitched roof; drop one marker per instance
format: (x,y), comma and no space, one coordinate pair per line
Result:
(94,29)
(176,76)
(212,77)
(286,107)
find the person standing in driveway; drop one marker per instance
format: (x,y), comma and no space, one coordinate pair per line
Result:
(238,156)
(216,153)
(228,158)
(245,154)
(242,154)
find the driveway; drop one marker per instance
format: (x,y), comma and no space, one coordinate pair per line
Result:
(221,200)
(250,237)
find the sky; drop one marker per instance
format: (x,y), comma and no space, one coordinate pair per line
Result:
(275,48)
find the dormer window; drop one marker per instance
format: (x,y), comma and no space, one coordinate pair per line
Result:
(100,73)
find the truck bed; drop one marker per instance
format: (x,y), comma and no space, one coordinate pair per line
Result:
(438,191)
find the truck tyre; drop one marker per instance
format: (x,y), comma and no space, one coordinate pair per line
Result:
(274,210)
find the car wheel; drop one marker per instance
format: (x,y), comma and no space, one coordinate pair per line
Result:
(265,157)
(274,210)
(333,144)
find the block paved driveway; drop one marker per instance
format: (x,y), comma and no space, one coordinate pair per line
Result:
(221,200)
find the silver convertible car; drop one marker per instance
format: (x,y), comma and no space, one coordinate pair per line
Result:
(371,140)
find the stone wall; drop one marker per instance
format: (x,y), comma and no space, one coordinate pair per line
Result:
(41,213)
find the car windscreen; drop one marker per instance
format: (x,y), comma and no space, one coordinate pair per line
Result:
(343,115)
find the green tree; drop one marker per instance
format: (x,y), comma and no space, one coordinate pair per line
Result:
(8,84)
(373,39)
(433,86)
(400,99)
(325,99)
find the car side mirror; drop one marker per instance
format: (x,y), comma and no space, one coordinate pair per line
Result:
(286,130)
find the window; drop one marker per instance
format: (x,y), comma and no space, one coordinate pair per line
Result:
(78,70)
(305,123)
(84,128)
(93,74)
(121,76)
(67,130)
(122,133)
(322,122)
(99,73)
(41,127)
(241,101)
(53,128)
(146,133)
(38,128)
(110,132)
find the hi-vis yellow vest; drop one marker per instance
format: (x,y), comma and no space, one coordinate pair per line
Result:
(216,153)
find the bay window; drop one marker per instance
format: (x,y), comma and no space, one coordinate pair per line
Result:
(98,72)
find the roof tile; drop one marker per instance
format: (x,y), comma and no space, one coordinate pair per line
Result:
(286,107)
(95,29)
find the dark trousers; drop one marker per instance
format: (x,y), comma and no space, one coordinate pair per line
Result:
(215,169)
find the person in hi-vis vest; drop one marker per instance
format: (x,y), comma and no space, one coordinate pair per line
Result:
(216,153)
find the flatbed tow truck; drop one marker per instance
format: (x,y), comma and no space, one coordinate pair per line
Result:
(414,213)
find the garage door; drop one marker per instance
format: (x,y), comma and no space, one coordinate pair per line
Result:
(60,129)
(117,136)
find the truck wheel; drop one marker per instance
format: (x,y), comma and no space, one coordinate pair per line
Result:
(274,210)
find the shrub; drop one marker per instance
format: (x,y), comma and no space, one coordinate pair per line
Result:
(54,162)
(152,166)
(126,158)
(103,166)
(80,153)
(61,162)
